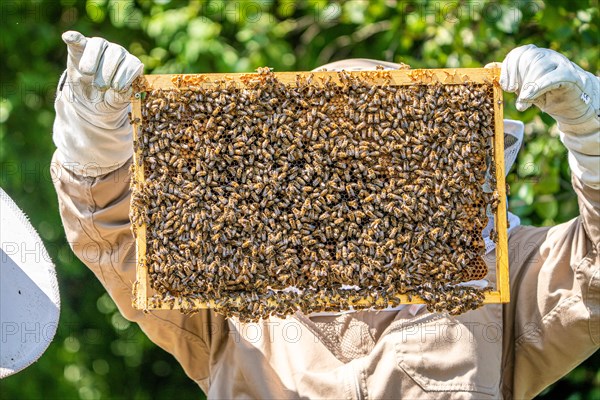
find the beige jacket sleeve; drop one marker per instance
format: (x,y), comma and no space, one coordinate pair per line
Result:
(95,214)
(552,322)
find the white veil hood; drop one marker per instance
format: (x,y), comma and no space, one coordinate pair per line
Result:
(513,139)
(29,297)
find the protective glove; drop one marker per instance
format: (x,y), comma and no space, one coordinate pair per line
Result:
(92,130)
(568,94)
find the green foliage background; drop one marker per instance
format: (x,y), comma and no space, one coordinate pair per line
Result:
(97,353)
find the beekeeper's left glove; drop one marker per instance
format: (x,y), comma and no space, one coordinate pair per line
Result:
(566,92)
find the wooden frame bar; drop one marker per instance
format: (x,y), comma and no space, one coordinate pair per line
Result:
(402,77)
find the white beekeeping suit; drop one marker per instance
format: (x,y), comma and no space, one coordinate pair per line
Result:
(402,353)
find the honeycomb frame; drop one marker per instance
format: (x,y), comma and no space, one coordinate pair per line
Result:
(143,293)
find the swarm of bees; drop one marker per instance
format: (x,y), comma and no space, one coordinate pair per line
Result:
(270,198)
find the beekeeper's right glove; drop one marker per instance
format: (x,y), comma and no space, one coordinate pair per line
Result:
(92,129)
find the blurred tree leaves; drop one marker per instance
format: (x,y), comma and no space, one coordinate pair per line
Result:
(97,354)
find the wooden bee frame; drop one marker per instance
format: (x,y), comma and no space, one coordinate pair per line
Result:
(402,77)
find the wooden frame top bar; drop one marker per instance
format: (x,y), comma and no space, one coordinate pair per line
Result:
(400,77)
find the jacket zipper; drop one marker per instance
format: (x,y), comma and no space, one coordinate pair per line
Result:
(358,394)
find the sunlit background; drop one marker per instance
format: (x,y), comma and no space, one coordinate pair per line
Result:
(97,354)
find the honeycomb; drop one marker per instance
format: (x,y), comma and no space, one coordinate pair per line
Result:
(262,197)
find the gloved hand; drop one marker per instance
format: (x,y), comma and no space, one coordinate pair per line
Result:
(91,129)
(568,94)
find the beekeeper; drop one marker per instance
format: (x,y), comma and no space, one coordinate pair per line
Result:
(513,350)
